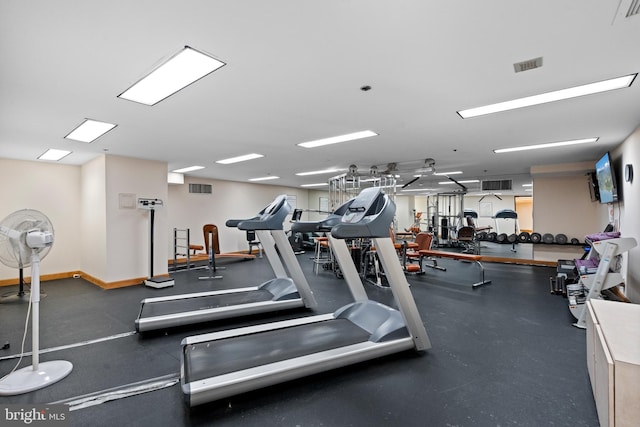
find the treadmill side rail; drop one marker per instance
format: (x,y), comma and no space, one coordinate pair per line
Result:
(247,330)
(207,315)
(215,388)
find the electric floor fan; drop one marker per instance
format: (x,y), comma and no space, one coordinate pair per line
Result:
(26,236)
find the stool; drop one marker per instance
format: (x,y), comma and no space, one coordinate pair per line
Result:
(323,254)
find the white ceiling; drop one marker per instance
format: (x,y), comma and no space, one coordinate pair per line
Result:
(294,72)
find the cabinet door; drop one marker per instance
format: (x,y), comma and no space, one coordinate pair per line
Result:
(603,379)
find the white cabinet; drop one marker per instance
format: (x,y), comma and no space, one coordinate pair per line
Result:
(613,361)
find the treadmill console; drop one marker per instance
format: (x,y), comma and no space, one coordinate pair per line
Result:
(361,205)
(369,215)
(270,218)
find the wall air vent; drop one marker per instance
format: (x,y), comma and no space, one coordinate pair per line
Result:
(528,65)
(496,185)
(200,188)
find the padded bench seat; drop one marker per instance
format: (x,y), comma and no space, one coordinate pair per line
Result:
(431,255)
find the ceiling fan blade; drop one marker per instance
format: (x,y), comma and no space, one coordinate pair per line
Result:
(411,182)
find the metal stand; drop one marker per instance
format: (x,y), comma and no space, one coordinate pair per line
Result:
(212,262)
(23,294)
(159,281)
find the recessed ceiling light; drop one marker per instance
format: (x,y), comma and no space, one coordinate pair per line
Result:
(188,169)
(337,139)
(466,181)
(558,95)
(265,178)
(182,69)
(447,173)
(90,130)
(239,159)
(319,172)
(416,189)
(547,145)
(319,184)
(53,154)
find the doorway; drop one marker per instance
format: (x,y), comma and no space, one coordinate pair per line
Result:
(524,209)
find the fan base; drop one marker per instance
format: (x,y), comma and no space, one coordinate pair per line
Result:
(159,282)
(27,379)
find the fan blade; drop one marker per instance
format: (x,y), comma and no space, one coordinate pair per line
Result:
(411,182)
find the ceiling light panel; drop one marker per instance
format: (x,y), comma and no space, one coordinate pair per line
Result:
(264,178)
(319,184)
(53,154)
(182,69)
(239,159)
(338,139)
(319,172)
(90,130)
(547,145)
(558,95)
(188,169)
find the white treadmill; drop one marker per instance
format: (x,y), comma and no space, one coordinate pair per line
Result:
(288,290)
(221,364)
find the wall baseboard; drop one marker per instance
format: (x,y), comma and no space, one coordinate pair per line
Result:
(79,274)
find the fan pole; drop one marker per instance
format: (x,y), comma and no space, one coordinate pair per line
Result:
(37,375)
(35,310)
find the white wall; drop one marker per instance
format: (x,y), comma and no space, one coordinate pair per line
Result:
(626,212)
(229,200)
(563,205)
(93,216)
(128,230)
(53,190)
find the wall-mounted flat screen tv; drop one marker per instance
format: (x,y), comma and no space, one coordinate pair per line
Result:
(606,180)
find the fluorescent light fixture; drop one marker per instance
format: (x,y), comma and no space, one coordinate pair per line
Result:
(90,130)
(337,139)
(182,69)
(447,173)
(175,178)
(558,95)
(319,184)
(239,159)
(416,189)
(188,169)
(53,154)
(320,172)
(264,178)
(547,145)
(466,181)
(527,185)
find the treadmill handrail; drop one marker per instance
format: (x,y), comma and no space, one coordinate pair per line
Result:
(324,225)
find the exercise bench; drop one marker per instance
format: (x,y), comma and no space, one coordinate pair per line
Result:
(431,254)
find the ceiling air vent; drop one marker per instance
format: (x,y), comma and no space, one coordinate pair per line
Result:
(496,185)
(528,65)
(200,188)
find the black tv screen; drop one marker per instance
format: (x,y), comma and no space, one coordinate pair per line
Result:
(606,180)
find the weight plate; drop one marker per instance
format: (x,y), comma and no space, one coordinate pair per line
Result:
(547,238)
(561,239)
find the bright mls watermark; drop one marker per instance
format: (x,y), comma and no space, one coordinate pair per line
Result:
(34,415)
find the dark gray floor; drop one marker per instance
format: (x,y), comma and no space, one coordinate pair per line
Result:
(503,355)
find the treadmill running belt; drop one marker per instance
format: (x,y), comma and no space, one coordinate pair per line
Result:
(215,358)
(162,308)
